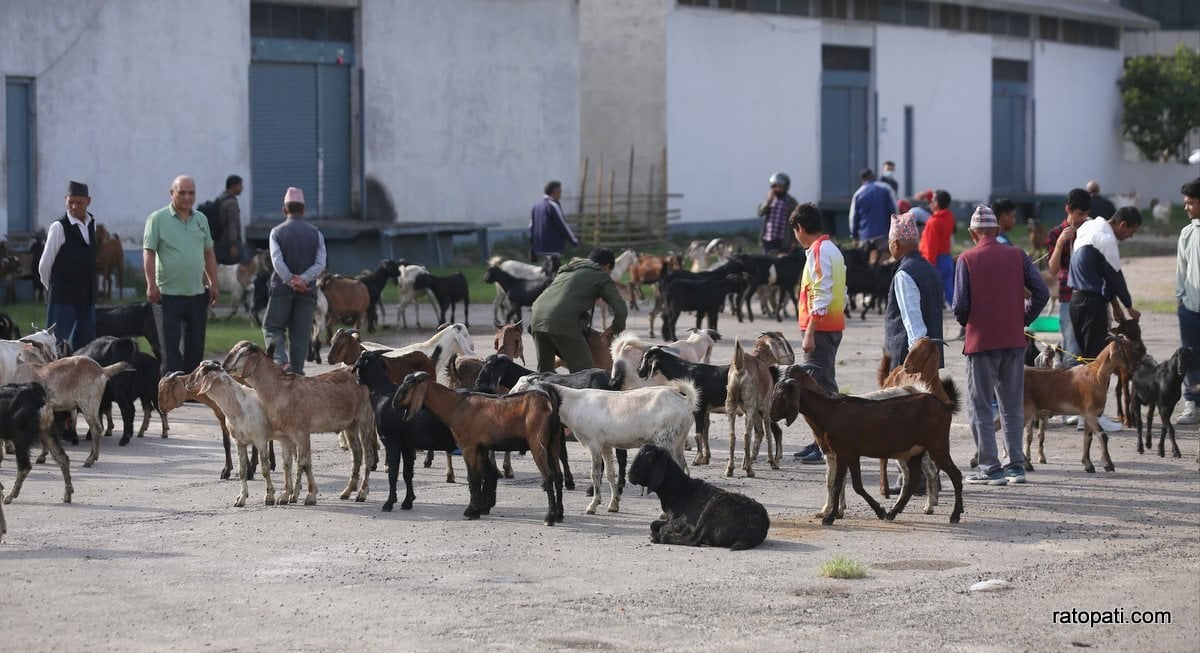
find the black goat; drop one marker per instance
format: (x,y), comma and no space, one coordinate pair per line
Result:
(788,271)
(146,375)
(375,282)
(520,292)
(711,384)
(262,294)
(1159,386)
(21,424)
(401,437)
(757,269)
(448,291)
(129,320)
(121,388)
(697,513)
(706,297)
(8,328)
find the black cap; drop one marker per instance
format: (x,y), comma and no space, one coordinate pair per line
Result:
(77,189)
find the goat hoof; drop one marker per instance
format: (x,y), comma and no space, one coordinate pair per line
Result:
(471,514)
(122,442)
(225,474)
(590,492)
(270,501)
(827,521)
(1110,468)
(749,473)
(570,485)
(591,510)
(928,510)
(729,471)
(240,503)
(954,519)
(88,463)
(1028,466)
(1176,455)
(360,497)
(890,516)
(407,505)
(8,499)
(345,494)
(508,473)
(387,507)
(310,500)
(612,507)
(1090,470)
(449,479)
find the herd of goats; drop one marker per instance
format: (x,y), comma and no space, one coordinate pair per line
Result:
(639,396)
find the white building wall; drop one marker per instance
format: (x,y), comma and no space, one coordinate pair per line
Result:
(1078,116)
(471,105)
(947,78)
(130,94)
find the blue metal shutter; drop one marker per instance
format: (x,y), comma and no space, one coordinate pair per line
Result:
(333,139)
(18,108)
(1008,136)
(844,131)
(283,134)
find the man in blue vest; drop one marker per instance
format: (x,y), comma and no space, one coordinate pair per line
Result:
(914,307)
(548,230)
(297,259)
(68,270)
(989,302)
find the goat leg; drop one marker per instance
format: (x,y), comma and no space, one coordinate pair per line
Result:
(508,470)
(269,499)
(127,410)
(941,459)
(449,465)
(931,483)
(393,472)
(225,441)
(747,461)
(732,412)
(568,479)
(855,468)
(1167,427)
(429,458)
(50,443)
(253,463)
(884,487)
(305,454)
(93,423)
(146,408)
(597,469)
(614,503)
(243,472)
(836,487)
(912,467)
(1087,443)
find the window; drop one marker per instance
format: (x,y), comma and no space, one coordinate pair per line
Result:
(1018,25)
(977,20)
(1048,28)
(303,23)
(797,7)
(866,10)
(891,11)
(766,6)
(836,57)
(950,16)
(834,9)
(1106,36)
(1010,70)
(1071,31)
(916,12)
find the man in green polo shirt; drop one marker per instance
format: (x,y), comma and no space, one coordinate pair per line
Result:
(563,313)
(177,253)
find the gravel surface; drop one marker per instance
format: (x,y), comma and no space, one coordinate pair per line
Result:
(152,555)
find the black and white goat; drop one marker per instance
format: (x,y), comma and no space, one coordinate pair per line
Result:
(710,381)
(697,513)
(22,422)
(520,292)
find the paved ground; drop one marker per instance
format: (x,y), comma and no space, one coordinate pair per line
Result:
(153,556)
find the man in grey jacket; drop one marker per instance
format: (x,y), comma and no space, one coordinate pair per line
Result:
(297,259)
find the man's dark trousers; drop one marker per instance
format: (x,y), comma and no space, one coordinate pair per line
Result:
(179,317)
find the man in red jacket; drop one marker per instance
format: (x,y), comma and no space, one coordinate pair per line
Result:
(935,241)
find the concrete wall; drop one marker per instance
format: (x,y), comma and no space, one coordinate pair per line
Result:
(623,86)
(1078,116)
(947,78)
(1150,179)
(128,95)
(743,98)
(471,105)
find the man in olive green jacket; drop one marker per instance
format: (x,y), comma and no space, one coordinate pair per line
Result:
(563,313)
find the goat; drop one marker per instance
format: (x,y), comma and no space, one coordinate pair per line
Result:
(375,282)
(519,292)
(172,392)
(1132,330)
(448,291)
(406,277)
(697,513)
(1159,386)
(519,270)
(8,328)
(10,351)
(132,320)
(510,342)
(626,354)
(346,345)
(480,423)
(23,419)
(599,346)
(748,392)
(401,436)
(72,383)
(902,427)
(649,269)
(704,297)
(698,346)
(289,400)
(1080,390)
(920,368)
(711,382)
(621,265)
(348,301)
(1037,238)
(110,259)
(238,280)
(262,295)
(246,420)
(319,318)
(107,350)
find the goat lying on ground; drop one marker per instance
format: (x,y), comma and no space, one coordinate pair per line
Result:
(401,435)
(1159,386)
(697,513)
(481,423)
(448,291)
(711,383)
(901,427)
(23,421)
(247,422)
(603,421)
(1081,391)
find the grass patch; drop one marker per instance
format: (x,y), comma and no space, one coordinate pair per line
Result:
(843,567)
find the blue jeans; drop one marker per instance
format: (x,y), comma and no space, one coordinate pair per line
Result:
(1189,336)
(1067,329)
(73,323)
(945,266)
(998,375)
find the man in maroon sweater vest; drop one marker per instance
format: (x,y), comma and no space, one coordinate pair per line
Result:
(990,304)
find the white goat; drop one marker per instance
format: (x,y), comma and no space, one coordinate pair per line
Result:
(697,347)
(409,294)
(453,339)
(602,421)
(10,350)
(627,351)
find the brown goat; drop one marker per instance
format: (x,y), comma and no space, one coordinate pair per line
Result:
(903,427)
(481,423)
(110,259)
(1080,390)
(648,269)
(509,341)
(172,392)
(920,366)
(348,301)
(1124,390)
(347,345)
(748,391)
(325,403)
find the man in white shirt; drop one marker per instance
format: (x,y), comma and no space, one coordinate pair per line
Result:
(1187,297)
(68,270)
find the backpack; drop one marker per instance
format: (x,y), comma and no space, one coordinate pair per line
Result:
(211,211)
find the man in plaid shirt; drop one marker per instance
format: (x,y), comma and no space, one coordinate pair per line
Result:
(1059,242)
(776,237)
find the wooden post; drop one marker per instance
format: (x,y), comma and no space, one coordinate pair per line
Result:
(583,178)
(629,193)
(599,200)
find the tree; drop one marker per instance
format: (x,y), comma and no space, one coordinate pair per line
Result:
(1161,95)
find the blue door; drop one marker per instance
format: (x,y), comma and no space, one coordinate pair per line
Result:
(19,153)
(844,131)
(1010,91)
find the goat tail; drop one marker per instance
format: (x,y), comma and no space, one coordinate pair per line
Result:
(688,389)
(117,368)
(738,362)
(885,368)
(952,393)
(557,436)
(618,377)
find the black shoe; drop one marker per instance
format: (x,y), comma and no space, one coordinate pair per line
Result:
(806,450)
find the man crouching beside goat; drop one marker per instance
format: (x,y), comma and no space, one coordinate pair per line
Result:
(697,513)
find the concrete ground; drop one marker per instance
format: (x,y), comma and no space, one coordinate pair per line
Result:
(152,555)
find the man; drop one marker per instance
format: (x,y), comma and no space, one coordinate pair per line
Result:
(68,270)
(177,254)
(990,304)
(871,209)
(1101,207)
(562,315)
(889,176)
(1096,280)
(1187,297)
(914,306)
(774,211)
(821,305)
(228,244)
(936,241)
(548,228)
(297,259)
(1006,217)
(1059,243)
